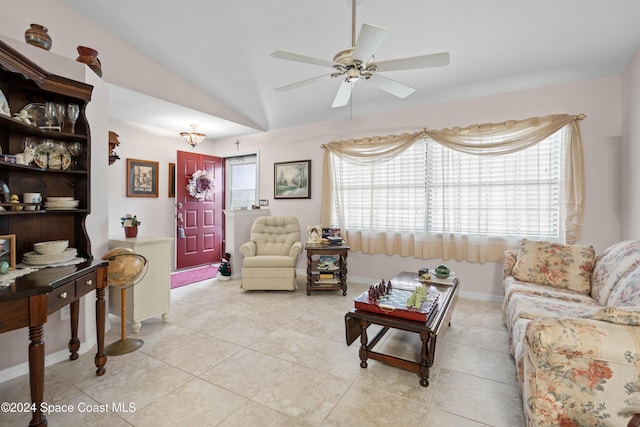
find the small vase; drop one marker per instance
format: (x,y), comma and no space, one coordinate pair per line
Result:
(89,56)
(131,231)
(38,36)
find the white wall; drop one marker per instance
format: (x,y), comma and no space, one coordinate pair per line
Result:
(144,143)
(630,155)
(599,99)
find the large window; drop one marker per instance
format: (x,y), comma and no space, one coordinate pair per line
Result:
(460,193)
(433,189)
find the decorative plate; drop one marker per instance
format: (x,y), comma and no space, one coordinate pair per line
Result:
(66,161)
(55,161)
(41,159)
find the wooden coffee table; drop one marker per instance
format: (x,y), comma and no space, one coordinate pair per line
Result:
(357,322)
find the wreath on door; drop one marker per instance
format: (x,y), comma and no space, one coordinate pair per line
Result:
(200,185)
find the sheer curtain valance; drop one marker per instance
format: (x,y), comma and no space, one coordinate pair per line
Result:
(491,139)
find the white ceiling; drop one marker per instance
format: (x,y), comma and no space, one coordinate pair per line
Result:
(223,47)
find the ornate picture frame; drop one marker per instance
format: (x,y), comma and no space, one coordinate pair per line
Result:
(292,180)
(8,249)
(142,178)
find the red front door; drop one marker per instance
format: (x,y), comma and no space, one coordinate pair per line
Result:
(198,221)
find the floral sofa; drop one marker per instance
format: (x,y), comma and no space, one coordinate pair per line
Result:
(574,331)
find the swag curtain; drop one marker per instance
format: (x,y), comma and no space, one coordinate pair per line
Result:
(483,140)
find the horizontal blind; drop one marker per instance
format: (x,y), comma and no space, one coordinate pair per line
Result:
(517,194)
(432,188)
(389,196)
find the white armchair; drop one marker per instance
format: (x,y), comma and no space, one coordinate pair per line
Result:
(271,254)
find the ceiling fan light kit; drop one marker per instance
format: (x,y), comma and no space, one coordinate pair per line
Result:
(358,62)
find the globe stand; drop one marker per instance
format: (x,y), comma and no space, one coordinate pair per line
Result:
(126,345)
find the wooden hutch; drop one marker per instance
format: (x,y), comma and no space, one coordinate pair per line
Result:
(30,299)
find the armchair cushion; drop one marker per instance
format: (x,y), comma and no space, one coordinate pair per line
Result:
(555,265)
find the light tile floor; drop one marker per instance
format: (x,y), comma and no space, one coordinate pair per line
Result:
(233,358)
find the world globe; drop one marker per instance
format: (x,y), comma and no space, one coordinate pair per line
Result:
(125,266)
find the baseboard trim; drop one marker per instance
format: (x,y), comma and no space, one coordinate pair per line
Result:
(50,359)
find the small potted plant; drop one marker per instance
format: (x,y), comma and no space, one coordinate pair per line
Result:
(130,224)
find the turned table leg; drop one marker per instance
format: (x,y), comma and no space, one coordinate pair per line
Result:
(101,356)
(74,342)
(423,369)
(36,373)
(363,343)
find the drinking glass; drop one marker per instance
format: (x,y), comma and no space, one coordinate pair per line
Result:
(75,148)
(50,113)
(73,111)
(47,146)
(61,111)
(60,148)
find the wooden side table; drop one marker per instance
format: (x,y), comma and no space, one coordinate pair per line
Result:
(322,276)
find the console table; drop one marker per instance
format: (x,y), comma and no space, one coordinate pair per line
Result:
(32,298)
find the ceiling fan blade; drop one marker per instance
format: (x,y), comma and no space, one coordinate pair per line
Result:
(393,87)
(291,56)
(423,61)
(343,95)
(369,40)
(301,83)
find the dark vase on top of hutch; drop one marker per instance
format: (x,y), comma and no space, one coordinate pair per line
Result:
(30,299)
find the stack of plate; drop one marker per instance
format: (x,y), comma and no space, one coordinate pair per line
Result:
(34,258)
(61,203)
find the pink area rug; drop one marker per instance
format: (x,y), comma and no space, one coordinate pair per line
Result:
(192,275)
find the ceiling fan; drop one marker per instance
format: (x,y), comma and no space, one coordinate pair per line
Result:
(358,62)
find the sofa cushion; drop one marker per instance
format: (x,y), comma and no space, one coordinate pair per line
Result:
(621,316)
(556,265)
(523,306)
(513,287)
(612,264)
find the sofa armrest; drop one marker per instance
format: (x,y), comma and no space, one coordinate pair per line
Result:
(296,250)
(582,337)
(508,262)
(248,249)
(578,371)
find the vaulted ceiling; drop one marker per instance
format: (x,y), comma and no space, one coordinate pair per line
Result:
(223,47)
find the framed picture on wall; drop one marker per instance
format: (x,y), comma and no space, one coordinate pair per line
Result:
(292,180)
(8,250)
(142,178)
(172,180)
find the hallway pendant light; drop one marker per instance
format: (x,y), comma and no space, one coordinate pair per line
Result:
(193,138)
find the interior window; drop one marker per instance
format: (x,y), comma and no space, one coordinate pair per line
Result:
(242,181)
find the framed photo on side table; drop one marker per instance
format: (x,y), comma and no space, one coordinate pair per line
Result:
(292,180)
(142,178)
(8,250)
(314,233)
